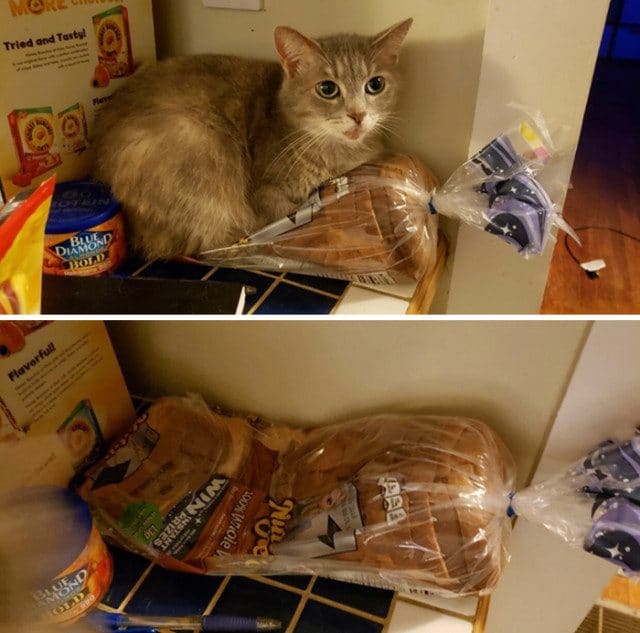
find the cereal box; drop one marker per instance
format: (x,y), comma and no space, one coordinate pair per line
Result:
(81,436)
(72,124)
(114,41)
(61,389)
(34,139)
(60,62)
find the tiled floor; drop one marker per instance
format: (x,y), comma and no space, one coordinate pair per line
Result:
(304,604)
(287,293)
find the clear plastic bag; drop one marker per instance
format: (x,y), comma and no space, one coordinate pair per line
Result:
(413,503)
(508,188)
(378,223)
(400,501)
(370,225)
(594,505)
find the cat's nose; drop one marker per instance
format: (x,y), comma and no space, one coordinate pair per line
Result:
(358,117)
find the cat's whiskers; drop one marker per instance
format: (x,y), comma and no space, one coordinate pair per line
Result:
(388,125)
(304,135)
(318,137)
(389,131)
(293,153)
(391,119)
(298,136)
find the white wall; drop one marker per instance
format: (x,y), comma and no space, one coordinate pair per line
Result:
(541,55)
(512,375)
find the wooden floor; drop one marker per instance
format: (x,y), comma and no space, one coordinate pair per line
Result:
(623,591)
(606,192)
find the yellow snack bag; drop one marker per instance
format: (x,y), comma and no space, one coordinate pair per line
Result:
(21,248)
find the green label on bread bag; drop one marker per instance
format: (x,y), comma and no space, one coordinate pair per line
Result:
(142,520)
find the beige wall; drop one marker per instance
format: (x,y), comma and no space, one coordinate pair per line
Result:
(441,64)
(512,375)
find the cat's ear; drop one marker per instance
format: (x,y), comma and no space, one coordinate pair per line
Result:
(387,44)
(296,51)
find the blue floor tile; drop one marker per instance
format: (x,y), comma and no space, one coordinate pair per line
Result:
(243,596)
(175,270)
(334,286)
(127,568)
(165,592)
(319,618)
(368,599)
(259,282)
(133,263)
(287,299)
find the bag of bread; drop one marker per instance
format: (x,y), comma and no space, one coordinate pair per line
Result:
(379,222)
(369,225)
(411,502)
(407,502)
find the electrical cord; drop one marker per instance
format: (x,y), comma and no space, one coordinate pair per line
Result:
(592,274)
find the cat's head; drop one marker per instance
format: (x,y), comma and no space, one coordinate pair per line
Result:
(343,87)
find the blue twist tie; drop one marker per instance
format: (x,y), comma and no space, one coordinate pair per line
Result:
(432,208)
(510,511)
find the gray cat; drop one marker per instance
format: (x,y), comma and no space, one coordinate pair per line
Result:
(203,150)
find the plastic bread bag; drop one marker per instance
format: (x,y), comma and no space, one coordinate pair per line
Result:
(407,502)
(398,501)
(378,223)
(508,188)
(22,226)
(594,505)
(369,225)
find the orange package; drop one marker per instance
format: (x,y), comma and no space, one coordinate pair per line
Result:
(21,248)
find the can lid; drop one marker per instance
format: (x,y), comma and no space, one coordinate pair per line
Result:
(80,205)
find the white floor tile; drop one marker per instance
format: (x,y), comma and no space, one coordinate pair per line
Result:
(361,301)
(465,606)
(403,291)
(408,618)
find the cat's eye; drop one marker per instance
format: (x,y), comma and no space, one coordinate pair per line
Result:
(375,85)
(328,89)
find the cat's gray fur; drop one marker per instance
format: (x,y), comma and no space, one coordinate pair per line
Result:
(203,150)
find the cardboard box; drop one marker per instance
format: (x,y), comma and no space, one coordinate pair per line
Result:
(62,399)
(60,62)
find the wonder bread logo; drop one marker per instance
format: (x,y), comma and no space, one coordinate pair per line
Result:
(37,7)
